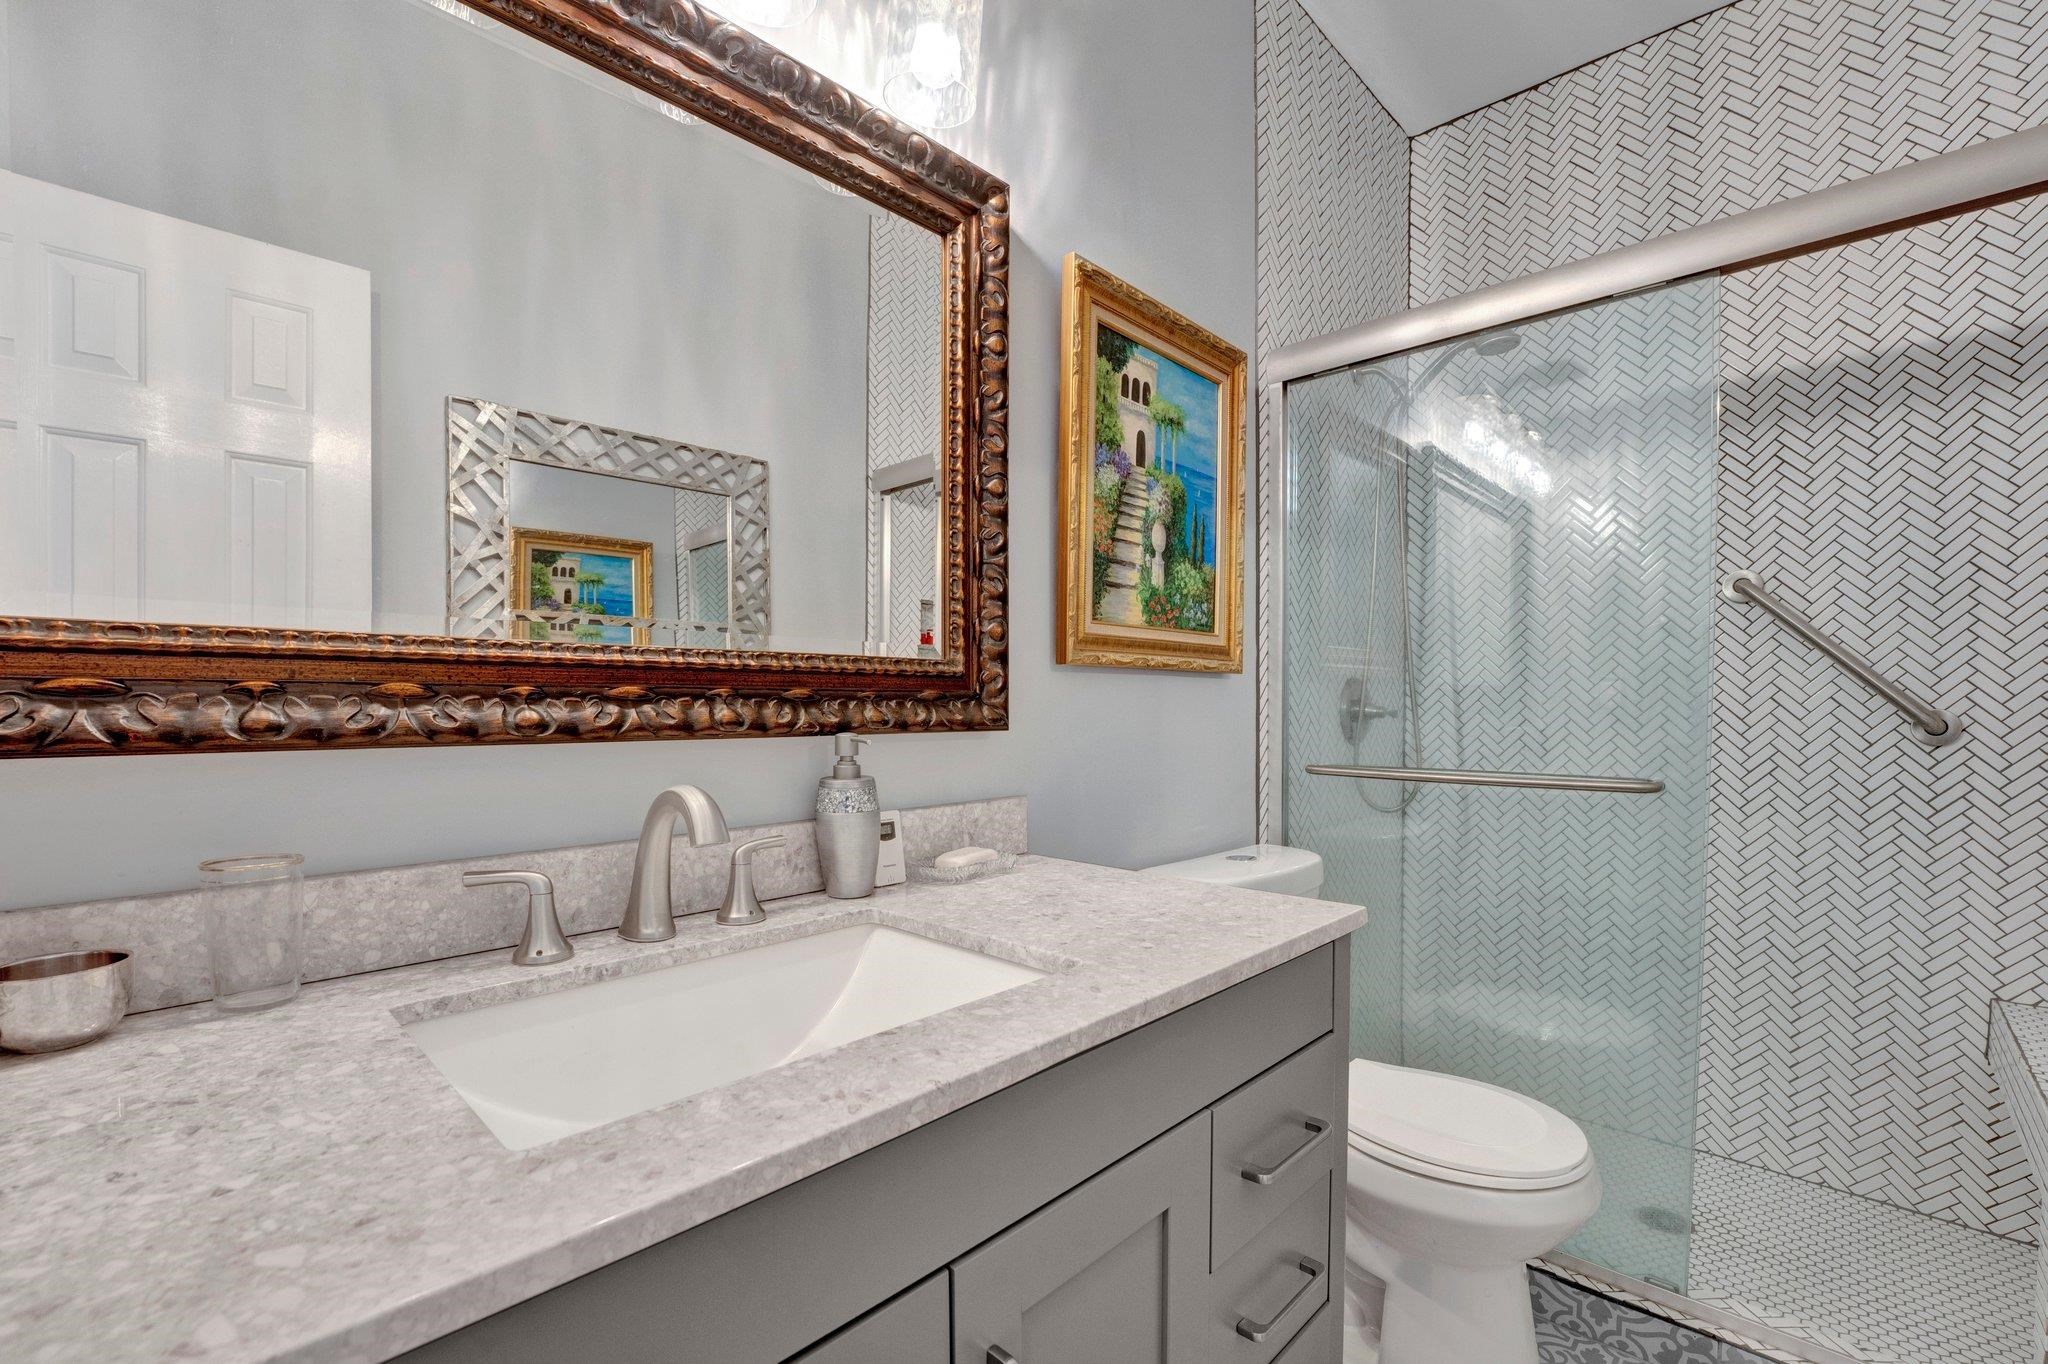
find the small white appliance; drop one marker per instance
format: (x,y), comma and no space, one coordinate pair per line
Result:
(889,869)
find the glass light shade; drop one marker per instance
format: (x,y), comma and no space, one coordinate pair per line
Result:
(938,65)
(767,13)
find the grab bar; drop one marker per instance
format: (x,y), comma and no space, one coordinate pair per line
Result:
(1539,781)
(1936,727)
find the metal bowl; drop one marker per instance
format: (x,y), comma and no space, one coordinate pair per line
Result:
(62,1000)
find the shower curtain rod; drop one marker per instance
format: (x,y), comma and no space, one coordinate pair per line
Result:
(1994,172)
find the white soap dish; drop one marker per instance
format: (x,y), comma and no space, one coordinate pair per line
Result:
(953,876)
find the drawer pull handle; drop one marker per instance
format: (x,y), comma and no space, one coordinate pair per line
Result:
(1268,1174)
(998,1355)
(1257,1331)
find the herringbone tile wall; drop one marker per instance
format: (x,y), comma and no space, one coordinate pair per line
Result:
(1882,461)
(1884,426)
(1754,103)
(1332,248)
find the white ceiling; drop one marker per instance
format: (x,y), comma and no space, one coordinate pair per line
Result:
(1431,60)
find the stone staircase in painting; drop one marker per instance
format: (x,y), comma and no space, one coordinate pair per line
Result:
(1127,557)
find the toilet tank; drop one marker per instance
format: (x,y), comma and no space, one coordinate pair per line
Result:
(1261,866)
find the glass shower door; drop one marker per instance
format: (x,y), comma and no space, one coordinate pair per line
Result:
(1499,558)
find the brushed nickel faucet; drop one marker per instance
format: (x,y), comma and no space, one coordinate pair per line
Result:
(650,913)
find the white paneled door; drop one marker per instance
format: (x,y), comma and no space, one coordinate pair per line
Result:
(184,420)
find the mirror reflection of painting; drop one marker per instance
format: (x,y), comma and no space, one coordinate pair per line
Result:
(1154,512)
(573,587)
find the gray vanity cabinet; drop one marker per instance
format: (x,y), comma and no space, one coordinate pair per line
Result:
(911,1329)
(1107,1274)
(1149,1201)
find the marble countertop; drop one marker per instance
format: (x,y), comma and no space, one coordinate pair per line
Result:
(302,1184)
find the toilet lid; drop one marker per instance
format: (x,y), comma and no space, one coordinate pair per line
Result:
(1461,1126)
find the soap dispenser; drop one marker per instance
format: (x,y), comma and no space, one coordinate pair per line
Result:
(849,823)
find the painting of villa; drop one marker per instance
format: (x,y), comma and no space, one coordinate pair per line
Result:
(1155,477)
(1152,483)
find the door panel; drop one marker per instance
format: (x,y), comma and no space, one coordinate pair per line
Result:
(1111,1273)
(191,420)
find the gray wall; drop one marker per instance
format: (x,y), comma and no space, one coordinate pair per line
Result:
(1126,134)
(530,238)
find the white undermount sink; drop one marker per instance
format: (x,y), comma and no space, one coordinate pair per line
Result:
(539,1069)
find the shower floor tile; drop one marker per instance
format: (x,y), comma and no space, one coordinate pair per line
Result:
(1878,1283)
(1866,1280)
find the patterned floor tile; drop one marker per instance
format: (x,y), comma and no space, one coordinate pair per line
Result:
(1574,1326)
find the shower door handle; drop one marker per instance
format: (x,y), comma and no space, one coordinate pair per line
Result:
(1535,781)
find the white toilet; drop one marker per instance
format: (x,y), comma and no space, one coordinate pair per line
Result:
(1453,1185)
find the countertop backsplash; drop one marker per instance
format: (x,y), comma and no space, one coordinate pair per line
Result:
(369,920)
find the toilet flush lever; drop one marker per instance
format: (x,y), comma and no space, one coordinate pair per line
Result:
(1272,1174)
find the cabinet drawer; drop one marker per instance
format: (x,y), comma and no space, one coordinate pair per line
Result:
(1275,1137)
(1263,1295)
(913,1328)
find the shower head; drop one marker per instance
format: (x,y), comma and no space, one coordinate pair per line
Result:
(1495,344)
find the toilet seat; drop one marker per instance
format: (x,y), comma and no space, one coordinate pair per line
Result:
(1462,1131)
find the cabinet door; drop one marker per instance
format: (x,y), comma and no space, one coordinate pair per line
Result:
(909,1329)
(1110,1273)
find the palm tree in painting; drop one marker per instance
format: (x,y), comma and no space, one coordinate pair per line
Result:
(1173,424)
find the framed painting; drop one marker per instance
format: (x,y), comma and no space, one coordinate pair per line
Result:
(1152,469)
(581,589)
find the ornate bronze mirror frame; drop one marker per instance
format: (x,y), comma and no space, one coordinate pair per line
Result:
(88,687)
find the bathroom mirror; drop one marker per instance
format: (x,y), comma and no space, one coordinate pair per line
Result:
(417,370)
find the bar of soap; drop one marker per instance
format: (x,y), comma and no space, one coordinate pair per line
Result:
(963,857)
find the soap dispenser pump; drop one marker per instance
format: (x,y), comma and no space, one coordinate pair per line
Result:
(849,823)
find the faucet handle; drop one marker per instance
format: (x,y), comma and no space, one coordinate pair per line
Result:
(743,853)
(534,881)
(543,942)
(741,905)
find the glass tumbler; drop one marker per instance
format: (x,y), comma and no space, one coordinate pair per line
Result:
(255,927)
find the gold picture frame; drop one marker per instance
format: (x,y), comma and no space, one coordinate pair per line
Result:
(1152,479)
(580,618)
